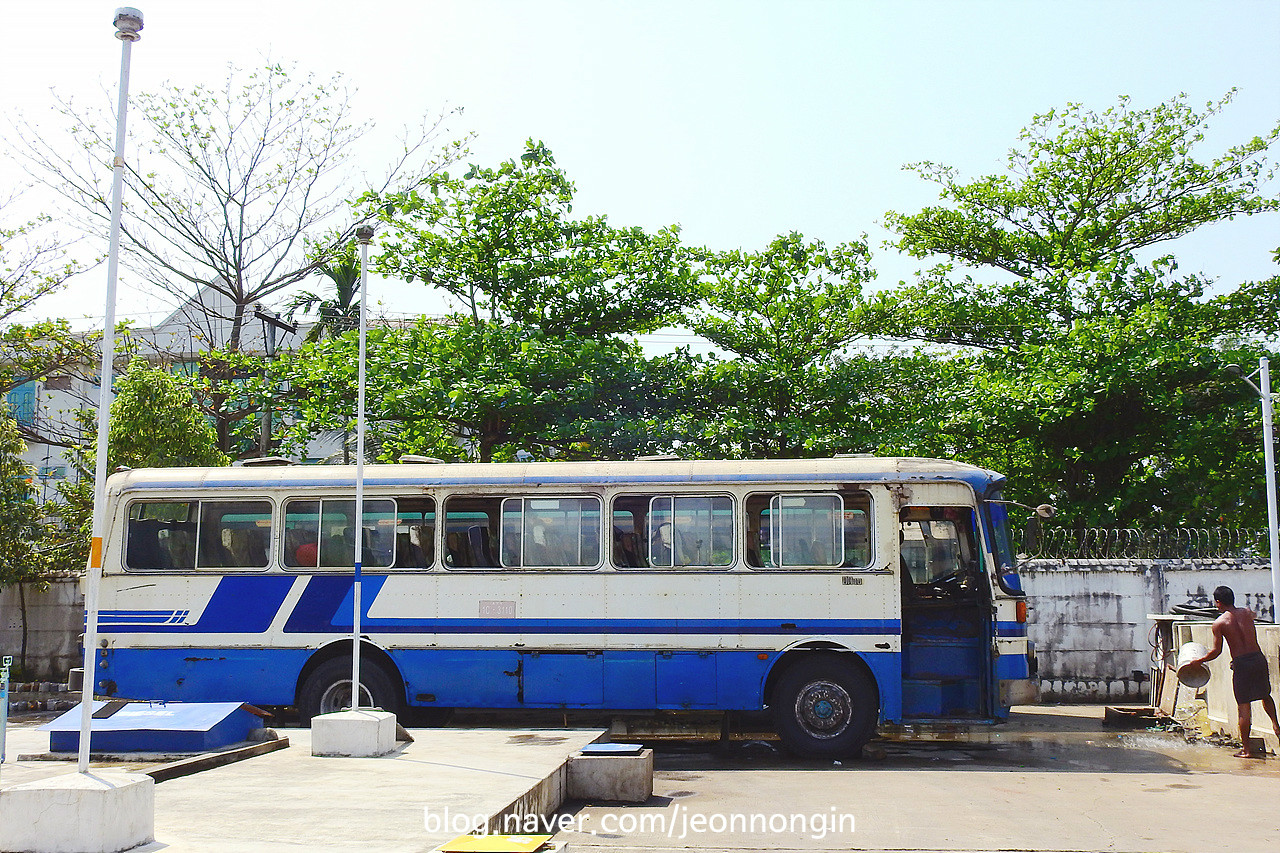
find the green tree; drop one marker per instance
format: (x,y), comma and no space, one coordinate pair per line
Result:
(339,313)
(1092,376)
(224,183)
(153,424)
(503,241)
(1086,188)
(33,261)
(788,313)
(21,527)
(478,389)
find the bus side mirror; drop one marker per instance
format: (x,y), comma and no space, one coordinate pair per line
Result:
(1031,536)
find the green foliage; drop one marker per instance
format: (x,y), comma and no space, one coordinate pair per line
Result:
(1086,188)
(20,524)
(155,425)
(341,313)
(502,240)
(787,312)
(481,390)
(1097,378)
(225,182)
(33,263)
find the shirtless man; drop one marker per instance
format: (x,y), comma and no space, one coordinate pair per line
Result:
(1249,677)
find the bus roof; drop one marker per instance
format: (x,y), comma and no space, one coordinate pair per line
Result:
(640,472)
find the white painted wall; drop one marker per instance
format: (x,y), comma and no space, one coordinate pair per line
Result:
(1088,621)
(55,619)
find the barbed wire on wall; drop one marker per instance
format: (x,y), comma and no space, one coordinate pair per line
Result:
(1168,543)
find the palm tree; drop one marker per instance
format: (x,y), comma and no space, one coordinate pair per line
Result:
(341,313)
(338,315)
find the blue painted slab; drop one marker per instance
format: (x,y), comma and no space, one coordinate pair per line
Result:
(157,727)
(612,749)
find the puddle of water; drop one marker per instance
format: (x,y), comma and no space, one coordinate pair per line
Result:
(528,738)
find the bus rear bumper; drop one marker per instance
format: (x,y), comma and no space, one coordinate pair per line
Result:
(1019,691)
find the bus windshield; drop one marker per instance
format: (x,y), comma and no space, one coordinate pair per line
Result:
(1001,544)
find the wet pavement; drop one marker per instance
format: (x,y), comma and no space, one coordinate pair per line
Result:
(1052,780)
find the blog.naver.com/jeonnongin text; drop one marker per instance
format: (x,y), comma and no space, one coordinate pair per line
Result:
(674,823)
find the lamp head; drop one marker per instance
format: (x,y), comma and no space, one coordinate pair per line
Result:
(364,233)
(128,21)
(1234,369)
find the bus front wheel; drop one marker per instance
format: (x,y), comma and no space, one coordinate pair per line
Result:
(328,688)
(825,706)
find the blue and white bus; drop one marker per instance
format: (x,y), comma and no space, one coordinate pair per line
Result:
(838,594)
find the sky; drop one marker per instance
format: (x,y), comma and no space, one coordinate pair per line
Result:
(737,121)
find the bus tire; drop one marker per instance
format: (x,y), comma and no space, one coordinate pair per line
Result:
(328,688)
(826,706)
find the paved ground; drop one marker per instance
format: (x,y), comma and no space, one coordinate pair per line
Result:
(291,801)
(1053,780)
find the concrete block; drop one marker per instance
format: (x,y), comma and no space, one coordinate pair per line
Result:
(97,812)
(356,734)
(616,778)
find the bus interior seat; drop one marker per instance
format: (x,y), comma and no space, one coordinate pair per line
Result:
(144,550)
(408,555)
(459,550)
(427,544)
(213,552)
(626,548)
(180,545)
(481,553)
(248,547)
(331,551)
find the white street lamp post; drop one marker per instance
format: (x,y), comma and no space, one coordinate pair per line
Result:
(128,23)
(1269,455)
(1263,390)
(364,234)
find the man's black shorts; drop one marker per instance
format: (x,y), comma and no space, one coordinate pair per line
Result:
(1249,677)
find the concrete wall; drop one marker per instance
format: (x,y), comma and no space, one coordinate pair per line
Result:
(55,620)
(1088,621)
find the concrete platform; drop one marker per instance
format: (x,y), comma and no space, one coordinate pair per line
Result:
(291,801)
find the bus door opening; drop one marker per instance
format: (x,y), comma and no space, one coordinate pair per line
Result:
(946,623)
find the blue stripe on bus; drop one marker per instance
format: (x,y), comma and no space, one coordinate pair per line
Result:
(1011,629)
(239,605)
(484,678)
(975,479)
(325,606)
(1012,666)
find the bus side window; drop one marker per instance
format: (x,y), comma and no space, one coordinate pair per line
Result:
(234,534)
(857,529)
(156,533)
(937,545)
(808,530)
(469,525)
(323,533)
(551,533)
(415,533)
(690,531)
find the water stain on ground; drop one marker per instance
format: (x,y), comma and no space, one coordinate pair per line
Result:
(528,738)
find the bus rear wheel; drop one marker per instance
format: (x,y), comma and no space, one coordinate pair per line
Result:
(328,689)
(825,706)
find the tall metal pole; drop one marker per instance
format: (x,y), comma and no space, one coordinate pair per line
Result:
(1269,458)
(364,234)
(128,23)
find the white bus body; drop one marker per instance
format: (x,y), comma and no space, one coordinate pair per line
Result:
(837,593)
